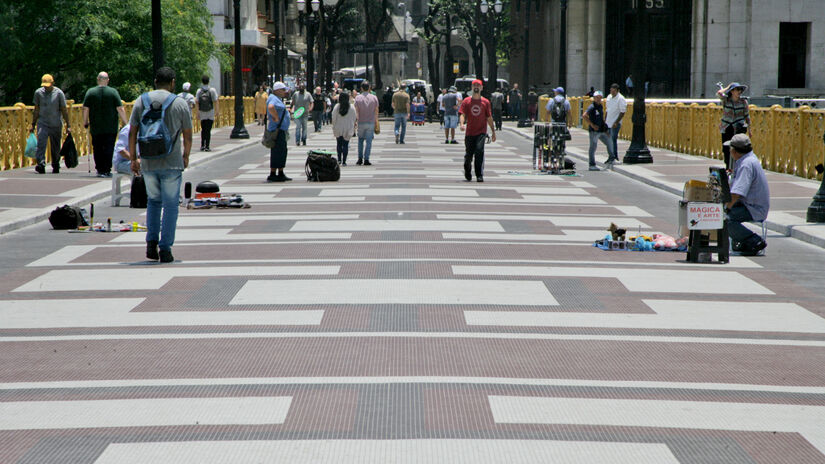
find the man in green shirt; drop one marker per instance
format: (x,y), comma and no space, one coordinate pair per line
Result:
(101,108)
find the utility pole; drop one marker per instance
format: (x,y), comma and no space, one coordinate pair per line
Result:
(239,131)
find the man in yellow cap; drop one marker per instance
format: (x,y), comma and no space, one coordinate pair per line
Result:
(49,106)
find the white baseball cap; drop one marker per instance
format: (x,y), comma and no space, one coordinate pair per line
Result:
(278,86)
(598,94)
(186,86)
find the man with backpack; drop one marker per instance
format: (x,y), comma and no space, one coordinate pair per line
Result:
(207,106)
(497,102)
(558,107)
(161,126)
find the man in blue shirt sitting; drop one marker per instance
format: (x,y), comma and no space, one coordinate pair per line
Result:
(750,197)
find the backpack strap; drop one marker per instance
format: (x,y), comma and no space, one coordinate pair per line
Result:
(147,104)
(166,104)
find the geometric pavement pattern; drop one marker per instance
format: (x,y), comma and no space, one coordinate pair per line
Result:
(404,315)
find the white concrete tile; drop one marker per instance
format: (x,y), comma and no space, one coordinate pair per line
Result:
(670,314)
(43,415)
(699,282)
(238,219)
(384,225)
(517,237)
(372,192)
(633,211)
(804,419)
(394,291)
(558,200)
(116,312)
(265,198)
(215,235)
(601,222)
(430,451)
(153,277)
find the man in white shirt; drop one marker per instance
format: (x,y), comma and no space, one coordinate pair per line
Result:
(616,108)
(121,158)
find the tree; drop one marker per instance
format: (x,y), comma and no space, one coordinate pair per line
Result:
(378,24)
(75,39)
(342,24)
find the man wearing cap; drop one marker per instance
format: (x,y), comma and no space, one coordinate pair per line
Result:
(594,120)
(750,196)
(616,108)
(187,95)
(277,120)
(450,103)
(49,106)
(475,115)
(497,104)
(558,107)
(101,107)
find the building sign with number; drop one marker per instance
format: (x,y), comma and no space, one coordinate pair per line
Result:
(650,4)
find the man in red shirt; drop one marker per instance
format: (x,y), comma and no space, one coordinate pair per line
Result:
(475,116)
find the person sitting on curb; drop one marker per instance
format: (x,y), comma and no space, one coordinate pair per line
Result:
(750,196)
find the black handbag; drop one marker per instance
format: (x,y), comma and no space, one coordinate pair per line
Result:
(69,152)
(268,139)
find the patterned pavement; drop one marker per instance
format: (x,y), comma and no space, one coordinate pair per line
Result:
(404,315)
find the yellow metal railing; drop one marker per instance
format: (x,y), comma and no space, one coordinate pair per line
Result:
(16,120)
(787,140)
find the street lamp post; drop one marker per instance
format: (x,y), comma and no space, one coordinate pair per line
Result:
(407,19)
(493,31)
(307,17)
(523,122)
(157,37)
(638,151)
(239,131)
(563,46)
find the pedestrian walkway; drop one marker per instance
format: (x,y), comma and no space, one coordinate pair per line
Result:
(790,195)
(27,197)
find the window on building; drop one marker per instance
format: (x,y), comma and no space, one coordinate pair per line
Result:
(793,54)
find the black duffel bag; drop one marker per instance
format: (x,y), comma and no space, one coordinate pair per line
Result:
(321,166)
(67,217)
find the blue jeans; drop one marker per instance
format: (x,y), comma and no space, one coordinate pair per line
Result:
(605,139)
(614,136)
(400,123)
(739,233)
(342,147)
(300,129)
(163,192)
(366,131)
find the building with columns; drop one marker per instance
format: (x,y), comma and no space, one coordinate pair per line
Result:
(775,46)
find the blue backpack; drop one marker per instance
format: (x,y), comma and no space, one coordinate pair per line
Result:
(154,139)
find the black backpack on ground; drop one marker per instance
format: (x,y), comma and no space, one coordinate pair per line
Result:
(67,217)
(137,196)
(322,167)
(205,100)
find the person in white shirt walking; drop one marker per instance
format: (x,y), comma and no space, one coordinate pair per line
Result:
(616,108)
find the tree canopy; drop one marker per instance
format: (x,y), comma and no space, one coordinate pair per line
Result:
(76,39)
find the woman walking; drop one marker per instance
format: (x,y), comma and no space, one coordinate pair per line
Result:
(260,104)
(736,117)
(344,121)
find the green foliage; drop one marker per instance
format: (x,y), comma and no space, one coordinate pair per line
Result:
(75,39)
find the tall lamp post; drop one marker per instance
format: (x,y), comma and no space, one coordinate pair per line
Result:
(239,131)
(407,19)
(563,46)
(523,122)
(638,151)
(157,37)
(307,17)
(493,31)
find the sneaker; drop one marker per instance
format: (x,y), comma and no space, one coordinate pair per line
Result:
(55,170)
(107,174)
(402,142)
(100,174)
(594,168)
(447,141)
(40,169)
(305,142)
(297,144)
(273,178)
(207,149)
(359,162)
(166,256)
(344,163)
(152,250)
(480,179)
(454,142)
(284,178)
(756,249)
(367,163)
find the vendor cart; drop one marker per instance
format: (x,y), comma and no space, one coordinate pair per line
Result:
(419,113)
(549,147)
(702,216)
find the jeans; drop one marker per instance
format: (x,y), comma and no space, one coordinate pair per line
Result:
(300,129)
(206,132)
(605,139)
(515,110)
(163,195)
(366,131)
(51,135)
(739,233)
(474,154)
(123,167)
(400,123)
(614,136)
(103,145)
(317,119)
(342,147)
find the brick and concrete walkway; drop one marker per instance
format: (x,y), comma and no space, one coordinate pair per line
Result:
(405,315)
